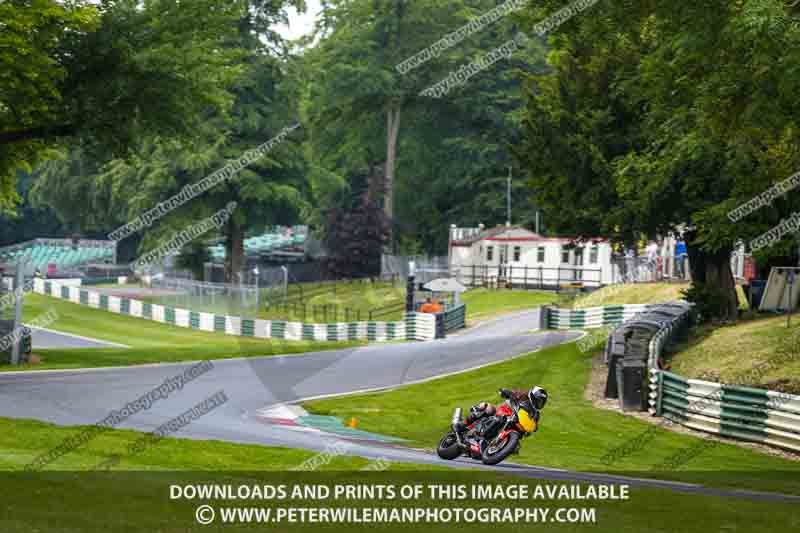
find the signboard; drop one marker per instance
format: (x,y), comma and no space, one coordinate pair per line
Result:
(444,285)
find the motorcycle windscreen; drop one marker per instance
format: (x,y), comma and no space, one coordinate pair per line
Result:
(525,420)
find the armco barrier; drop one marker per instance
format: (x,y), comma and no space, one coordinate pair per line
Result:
(415,326)
(455,318)
(591,317)
(743,413)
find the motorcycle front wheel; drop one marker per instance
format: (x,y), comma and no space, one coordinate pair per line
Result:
(448,447)
(497,451)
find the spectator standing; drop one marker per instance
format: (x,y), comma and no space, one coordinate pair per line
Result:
(680,258)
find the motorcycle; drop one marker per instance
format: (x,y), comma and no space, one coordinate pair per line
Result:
(491,439)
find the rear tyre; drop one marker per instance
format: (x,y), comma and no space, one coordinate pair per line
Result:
(497,451)
(448,447)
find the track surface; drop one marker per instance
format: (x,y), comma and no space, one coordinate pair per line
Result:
(87,396)
(47,338)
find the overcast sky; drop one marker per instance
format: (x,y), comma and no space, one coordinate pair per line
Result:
(300,24)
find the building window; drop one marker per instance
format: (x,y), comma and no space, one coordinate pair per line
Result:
(517,253)
(540,254)
(489,253)
(593,253)
(564,255)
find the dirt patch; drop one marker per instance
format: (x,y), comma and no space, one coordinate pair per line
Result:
(595,393)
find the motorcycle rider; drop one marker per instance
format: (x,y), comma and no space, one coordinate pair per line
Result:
(536,398)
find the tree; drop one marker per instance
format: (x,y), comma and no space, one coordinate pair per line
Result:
(650,124)
(357,229)
(104,75)
(445,159)
(269,191)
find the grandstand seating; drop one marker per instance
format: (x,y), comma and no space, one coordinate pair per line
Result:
(42,252)
(264,244)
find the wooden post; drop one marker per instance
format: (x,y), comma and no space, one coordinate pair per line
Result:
(526,277)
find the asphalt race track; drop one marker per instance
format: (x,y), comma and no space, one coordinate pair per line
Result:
(46,338)
(253,384)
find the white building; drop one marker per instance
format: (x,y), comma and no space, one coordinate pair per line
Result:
(516,256)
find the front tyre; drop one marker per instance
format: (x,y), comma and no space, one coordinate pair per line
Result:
(497,451)
(448,447)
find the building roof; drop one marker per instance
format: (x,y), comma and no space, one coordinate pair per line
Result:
(512,234)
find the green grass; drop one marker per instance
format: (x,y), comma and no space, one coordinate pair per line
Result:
(574,434)
(149,341)
(135,495)
(358,297)
(632,293)
(21,441)
(716,353)
(636,293)
(484,303)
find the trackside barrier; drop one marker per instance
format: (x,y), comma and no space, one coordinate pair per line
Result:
(591,317)
(420,326)
(743,413)
(455,318)
(416,326)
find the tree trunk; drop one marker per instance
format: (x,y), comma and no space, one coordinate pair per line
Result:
(719,275)
(713,270)
(234,250)
(392,131)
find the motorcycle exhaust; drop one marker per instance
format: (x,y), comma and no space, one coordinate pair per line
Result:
(456,415)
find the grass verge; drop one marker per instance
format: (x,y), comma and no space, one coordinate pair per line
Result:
(484,304)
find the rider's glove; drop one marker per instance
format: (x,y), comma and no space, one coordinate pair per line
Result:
(504,393)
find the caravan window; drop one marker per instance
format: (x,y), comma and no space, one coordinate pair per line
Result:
(517,253)
(593,253)
(564,255)
(540,254)
(489,253)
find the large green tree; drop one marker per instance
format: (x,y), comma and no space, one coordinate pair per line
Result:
(664,116)
(268,191)
(103,74)
(446,160)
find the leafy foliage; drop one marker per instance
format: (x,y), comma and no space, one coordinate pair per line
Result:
(357,230)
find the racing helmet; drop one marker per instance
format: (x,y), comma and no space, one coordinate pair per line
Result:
(538,397)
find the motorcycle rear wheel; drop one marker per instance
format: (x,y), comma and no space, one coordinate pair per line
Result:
(493,454)
(448,447)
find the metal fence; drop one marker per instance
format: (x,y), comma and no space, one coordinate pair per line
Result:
(525,277)
(241,300)
(426,268)
(648,270)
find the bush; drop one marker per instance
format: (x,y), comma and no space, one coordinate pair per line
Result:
(709,302)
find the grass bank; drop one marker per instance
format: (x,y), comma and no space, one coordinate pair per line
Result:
(631,293)
(759,352)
